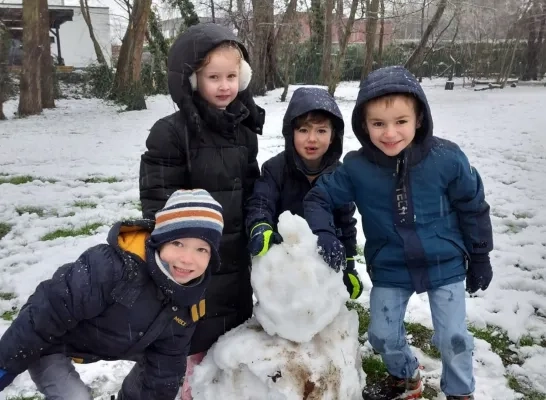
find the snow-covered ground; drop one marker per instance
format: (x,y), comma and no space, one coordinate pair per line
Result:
(87,156)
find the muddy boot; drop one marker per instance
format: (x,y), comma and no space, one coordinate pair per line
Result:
(392,388)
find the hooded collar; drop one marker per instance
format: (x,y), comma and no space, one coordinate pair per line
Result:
(385,81)
(224,122)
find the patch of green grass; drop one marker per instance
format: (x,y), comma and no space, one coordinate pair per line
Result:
(85,230)
(85,204)
(515,227)
(4,229)
(30,210)
(528,393)
(99,179)
(17,180)
(523,215)
(37,397)
(526,340)
(498,339)
(7,295)
(363,316)
(422,338)
(8,315)
(374,368)
(22,179)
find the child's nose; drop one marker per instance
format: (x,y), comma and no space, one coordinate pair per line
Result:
(184,256)
(390,130)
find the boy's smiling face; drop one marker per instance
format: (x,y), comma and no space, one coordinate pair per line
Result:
(312,138)
(391,122)
(188,258)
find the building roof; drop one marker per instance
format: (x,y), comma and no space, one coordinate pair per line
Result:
(12,18)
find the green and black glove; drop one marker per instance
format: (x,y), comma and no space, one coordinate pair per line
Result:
(262,237)
(351,279)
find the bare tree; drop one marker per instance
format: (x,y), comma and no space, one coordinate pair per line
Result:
(127,88)
(5,81)
(263,24)
(84,7)
(285,39)
(47,81)
(416,56)
(381,35)
(371,30)
(30,93)
(535,22)
(344,41)
(326,65)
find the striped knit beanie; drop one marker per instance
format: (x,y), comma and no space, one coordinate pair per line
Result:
(189,214)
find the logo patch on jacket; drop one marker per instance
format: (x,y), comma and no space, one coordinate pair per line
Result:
(197,312)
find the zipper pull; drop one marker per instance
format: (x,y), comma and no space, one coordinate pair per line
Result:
(397,166)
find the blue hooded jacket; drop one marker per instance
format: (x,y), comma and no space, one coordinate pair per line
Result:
(423,212)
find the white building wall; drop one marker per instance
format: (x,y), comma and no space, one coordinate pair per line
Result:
(76,46)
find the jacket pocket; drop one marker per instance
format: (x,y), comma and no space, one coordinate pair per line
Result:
(370,261)
(460,249)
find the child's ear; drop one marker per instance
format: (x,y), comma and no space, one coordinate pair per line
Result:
(419,121)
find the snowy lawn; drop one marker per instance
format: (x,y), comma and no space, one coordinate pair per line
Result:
(68,174)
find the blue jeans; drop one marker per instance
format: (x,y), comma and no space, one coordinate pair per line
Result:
(387,334)
(57,379)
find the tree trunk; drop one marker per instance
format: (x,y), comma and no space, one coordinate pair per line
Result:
(535,25)
(261,57)
(285,37)
(212,11)
(316,24)
(4,73)
(381,35)
(344,41)
(47,82)
(326,65)
(84,7)
(127,87)
(30,97)
(371,29)
(415,57)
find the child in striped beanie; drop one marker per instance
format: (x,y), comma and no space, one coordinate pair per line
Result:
(187,235)
(137,297)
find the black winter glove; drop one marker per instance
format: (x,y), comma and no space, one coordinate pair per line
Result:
(262,237)
(351,279)
(479,273)
(331,250)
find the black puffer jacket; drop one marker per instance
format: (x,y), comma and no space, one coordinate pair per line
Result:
(113,303)
(203,147)
(284,183)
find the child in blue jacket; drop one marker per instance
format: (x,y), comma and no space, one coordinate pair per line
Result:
(313,130)
(135,298)
(426,224)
